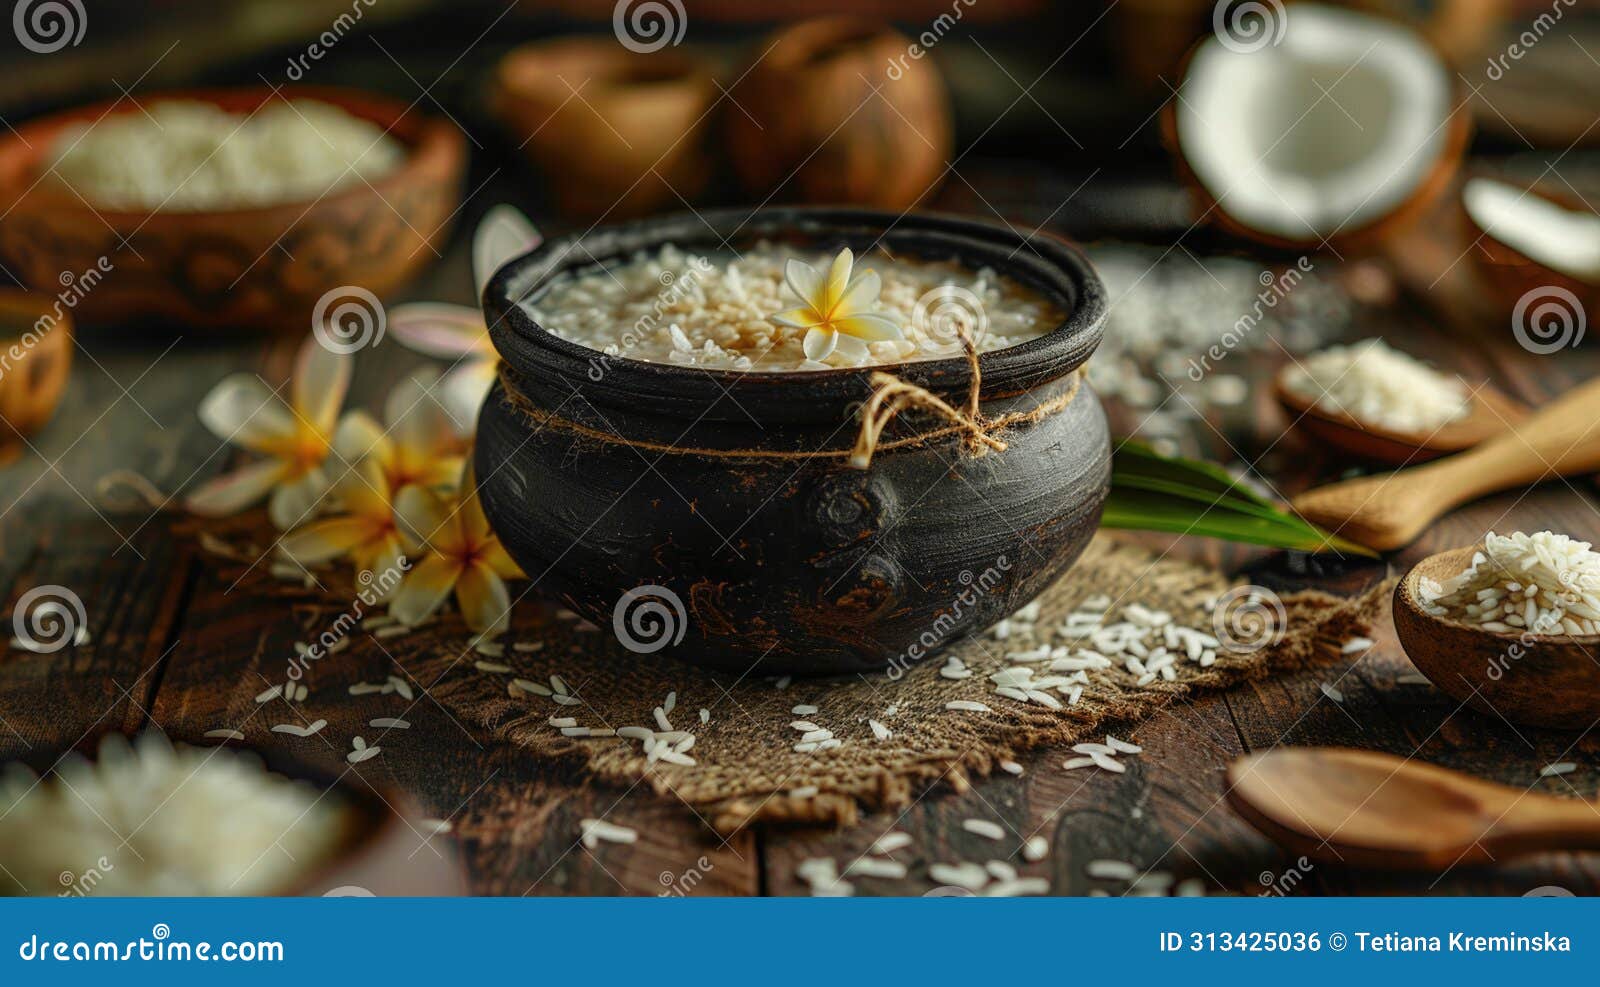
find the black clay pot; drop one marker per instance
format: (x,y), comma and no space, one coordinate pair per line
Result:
(683,547)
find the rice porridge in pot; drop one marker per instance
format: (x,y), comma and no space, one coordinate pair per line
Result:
(779,308)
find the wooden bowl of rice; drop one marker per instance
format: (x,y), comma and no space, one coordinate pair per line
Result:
(260,266)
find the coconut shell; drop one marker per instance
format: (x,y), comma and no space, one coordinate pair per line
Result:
(805,117)
(633,139)
(35,358)
(1508,275)
(1366,238)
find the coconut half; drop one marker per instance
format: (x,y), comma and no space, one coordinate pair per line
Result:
(1540,229)
(1320,126)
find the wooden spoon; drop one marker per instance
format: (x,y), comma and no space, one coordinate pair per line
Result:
(1368,809)
(1491,413)
(1547,680)
(1388,511)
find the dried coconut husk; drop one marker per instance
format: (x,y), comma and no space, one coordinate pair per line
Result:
(746,762)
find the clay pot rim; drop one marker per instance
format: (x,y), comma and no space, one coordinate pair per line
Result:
(1044,262)
(429,141)
(617,69)
(797,46)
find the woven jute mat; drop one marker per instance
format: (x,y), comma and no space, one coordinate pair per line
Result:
(747,770)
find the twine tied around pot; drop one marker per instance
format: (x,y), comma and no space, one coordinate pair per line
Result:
(892,395)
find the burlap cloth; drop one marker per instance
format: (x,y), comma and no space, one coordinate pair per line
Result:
(747,770)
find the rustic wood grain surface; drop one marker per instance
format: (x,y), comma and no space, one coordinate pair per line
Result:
(170,639)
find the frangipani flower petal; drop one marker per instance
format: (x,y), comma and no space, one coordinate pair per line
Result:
(485,603)
(462,392)
(417,418)
(232,492)
(325,540)
(859,294)
(423,516)
(296,499)
(851,348)
(798,318)
(838,281)
(503,234)
(364,491)
(805,281)
(321,378)
(359,436)
(425,587)
(495,557)
(243,410)
(384,564)
(440,330)
(872,328)
(819,343)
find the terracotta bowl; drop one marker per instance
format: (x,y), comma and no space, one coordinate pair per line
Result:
(259,267)
(629,142)
(611,480)
(35,361)
(379,853)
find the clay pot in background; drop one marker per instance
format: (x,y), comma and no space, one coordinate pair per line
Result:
(632,138)
(257,267)
(35,357)
(807,117)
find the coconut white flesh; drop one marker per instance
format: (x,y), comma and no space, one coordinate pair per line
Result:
(1331,128)
(1561,239)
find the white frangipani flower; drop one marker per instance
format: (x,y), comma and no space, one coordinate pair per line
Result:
(834,309)
(457,332)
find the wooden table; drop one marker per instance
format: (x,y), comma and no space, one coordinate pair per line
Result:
(170,641)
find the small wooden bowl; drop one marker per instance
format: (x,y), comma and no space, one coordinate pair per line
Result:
(617,133)
(1541,680)
(378,854)
(259,267)
(1512,276)
(840,111)
(35,361)
(1492,413)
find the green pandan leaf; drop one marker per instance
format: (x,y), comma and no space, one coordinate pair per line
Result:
(1136,458)
(1150,492)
